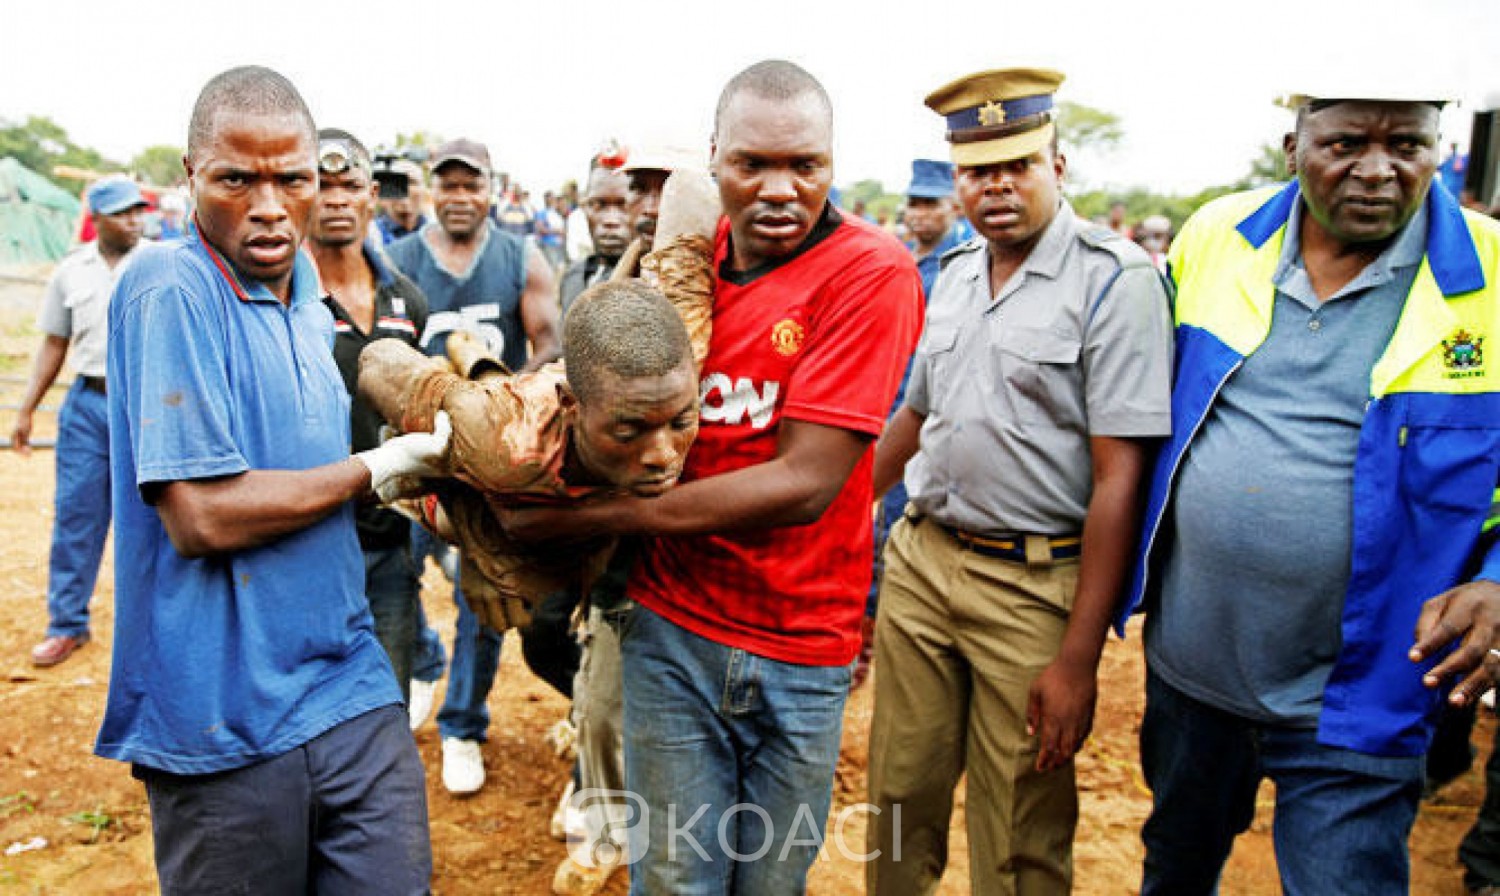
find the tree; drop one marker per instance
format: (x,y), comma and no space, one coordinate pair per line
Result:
(41,144)
(1081,127)
(878,203)
(1267,168)
(160,165)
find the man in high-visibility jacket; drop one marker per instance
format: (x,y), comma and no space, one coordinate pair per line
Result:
(1318,563)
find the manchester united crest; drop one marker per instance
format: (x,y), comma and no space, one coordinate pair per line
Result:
(1463,354)
(786,337)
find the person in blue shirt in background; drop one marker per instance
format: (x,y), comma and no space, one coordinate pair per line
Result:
(933,221)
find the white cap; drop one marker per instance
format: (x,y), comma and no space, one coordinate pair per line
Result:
(1410,88)
(662,157)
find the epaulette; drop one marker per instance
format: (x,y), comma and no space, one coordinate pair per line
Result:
(1127,253)
(971,245)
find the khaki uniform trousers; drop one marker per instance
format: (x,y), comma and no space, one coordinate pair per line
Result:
(959,640)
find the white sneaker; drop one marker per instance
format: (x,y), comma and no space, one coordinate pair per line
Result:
(463,766)
(423,694)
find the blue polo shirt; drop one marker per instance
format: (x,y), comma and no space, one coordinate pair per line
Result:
(223,661)
(1252,597)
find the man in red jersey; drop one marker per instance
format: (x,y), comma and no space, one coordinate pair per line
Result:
(737,659)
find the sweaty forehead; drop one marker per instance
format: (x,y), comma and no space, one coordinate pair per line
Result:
(262,135)
(755,123)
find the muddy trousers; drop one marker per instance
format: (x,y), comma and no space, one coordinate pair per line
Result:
(959,639)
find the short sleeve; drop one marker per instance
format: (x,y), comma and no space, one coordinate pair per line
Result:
(173,365)
(55,318)
(1127,355)
(859,348)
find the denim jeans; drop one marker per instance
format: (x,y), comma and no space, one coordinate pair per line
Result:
(1341,819)
(732,755)
(428,658)
(80,521)
(476,657)
(392,588)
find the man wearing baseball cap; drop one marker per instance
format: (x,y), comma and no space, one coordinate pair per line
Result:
(1036,392)
(74,317)
(931,216)
(1318,563)
(648,168)
(481,279)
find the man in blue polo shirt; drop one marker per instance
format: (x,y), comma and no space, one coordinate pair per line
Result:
(248,689)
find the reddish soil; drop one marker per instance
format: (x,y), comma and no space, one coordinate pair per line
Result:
(94,818)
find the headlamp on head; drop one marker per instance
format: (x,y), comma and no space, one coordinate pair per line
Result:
(339,156)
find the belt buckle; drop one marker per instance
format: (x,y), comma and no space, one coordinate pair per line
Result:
(1038,550)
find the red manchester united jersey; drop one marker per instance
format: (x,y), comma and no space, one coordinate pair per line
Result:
(822,337)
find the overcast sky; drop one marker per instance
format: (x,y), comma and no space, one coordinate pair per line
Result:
(543,82)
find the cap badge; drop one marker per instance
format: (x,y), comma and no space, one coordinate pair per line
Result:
(991,114)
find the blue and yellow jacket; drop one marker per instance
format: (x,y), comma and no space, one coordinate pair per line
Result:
(1426,506)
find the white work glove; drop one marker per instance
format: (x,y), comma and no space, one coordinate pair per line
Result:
(398,466)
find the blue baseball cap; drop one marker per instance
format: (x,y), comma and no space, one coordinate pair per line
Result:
(113,195)
(930,179)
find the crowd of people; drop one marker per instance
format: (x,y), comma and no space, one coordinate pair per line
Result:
(736,447)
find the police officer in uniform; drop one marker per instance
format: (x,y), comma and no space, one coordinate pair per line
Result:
(1038,390)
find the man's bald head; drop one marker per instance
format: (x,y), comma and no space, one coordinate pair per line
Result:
(771,79)
(250,90)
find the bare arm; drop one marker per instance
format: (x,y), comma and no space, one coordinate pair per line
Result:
(233,513)
(539,312)
(793,489)
(44,370)
(897,446)
(204,517)
(1061,706)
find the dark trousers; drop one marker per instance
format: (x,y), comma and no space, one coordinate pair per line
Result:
(1480,851)
(551,650)
(345,813)
(394,591)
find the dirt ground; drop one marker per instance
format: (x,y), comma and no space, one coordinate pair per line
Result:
(94,820)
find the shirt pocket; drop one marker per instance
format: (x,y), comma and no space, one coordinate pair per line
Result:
(1450,458)
(1037,367)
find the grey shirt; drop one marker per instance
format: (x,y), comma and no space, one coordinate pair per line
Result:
(76,305)
(1263,508)
(1012,383)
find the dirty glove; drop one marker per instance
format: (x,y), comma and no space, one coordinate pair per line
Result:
(398,466)
(689,205)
